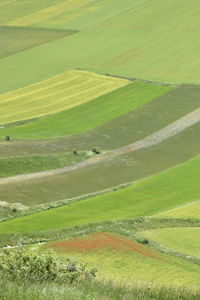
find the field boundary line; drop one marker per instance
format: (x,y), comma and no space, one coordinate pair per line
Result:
(154,139)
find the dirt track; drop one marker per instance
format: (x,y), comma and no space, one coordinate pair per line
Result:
(159,136)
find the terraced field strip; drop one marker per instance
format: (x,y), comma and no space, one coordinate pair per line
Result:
(154,139)
(183,240)
(55,94)
(17,39)
(126,129)
(189,210)
(27,164)
(21,8)
(90,114)
(149,196)
(73,13)
(47,13)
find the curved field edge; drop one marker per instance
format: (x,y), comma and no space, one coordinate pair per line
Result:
(154,194)
(123,130)
(91,114)
(183,240)
(106,250)
(189,210)
(154,139)
(27,164)
(61,92)
(138,164)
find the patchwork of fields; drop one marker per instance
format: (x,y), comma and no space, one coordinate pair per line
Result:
(99,137)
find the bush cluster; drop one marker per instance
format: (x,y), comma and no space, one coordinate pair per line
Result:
(35,266)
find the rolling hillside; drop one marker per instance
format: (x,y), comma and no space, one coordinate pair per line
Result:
(100,147)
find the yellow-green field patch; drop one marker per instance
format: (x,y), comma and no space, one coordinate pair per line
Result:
(190,210)
(183,240)
(59,93)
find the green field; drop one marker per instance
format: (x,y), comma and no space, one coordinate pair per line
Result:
(90,114)
(27,164)
(183,240)
(64,91)
(17,39)
(116,257)
(120,131)
(190,210)
(107,173)
(100,149)
(148,45)
(152,195)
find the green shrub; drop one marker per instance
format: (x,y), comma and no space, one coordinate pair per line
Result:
(36,266)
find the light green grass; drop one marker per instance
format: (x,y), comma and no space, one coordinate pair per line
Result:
(183,240)
(125,129)
(17,39)
(61,14)
(19,290)
(154,194)
(28,164)
(90,114)
(55,94)
(191,210)
(105,174)
(143,41)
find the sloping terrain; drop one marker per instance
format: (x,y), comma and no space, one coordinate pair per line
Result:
(156,42)
(149,196)
(113,254)
(184,240)
(56,94)
(89,115)
(99,139)
(17,39)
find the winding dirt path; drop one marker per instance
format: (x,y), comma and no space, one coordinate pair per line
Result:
(156,138)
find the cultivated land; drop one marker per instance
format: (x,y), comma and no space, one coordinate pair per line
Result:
(93,113)
(67,90)
(100,148)
(184,240)
(17,39)
(174,187)
(98,248)
(136,39)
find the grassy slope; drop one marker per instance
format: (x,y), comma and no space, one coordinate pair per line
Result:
(91,114)
(191,210)
(120,131)
(27,164)
(107,173)
(16,39)
(152,41)
(157,193)
(118,262)
(56,94)
(184,240)
(96,291)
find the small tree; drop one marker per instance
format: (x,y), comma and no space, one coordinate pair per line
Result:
(7,138)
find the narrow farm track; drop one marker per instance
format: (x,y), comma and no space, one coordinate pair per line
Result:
(156,138)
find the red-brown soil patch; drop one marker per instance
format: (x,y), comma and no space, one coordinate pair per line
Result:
(102,240)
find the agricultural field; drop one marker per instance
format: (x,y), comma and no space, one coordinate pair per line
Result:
(64,91)
(99,150)
(184,240)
